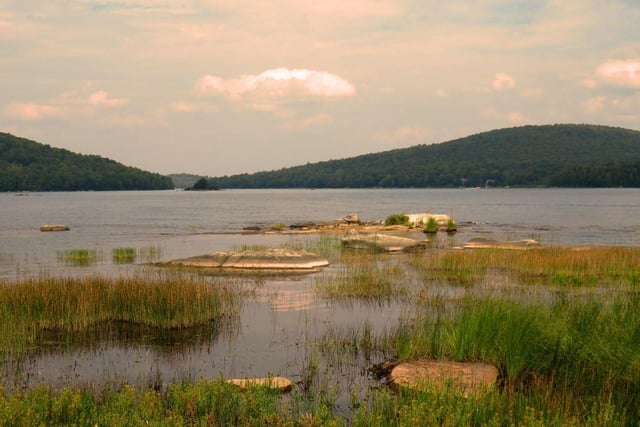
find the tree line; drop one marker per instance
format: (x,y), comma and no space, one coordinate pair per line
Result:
(30,166)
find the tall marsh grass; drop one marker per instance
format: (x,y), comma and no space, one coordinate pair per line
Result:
(74,304)
(559,266)
(565,355)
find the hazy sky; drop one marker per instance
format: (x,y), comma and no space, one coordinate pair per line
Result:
(221,87)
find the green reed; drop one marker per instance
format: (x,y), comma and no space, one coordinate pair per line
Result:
(123,255)
(560,266)
(565,355)
(73,304)
(363,277)
(78,257)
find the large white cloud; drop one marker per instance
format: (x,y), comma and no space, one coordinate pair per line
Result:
(278,83)
(625,73)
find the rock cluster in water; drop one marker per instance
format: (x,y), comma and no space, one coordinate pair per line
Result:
(381,242)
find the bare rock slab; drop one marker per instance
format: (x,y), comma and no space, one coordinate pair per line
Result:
(277,383)
(278,259)
(486,243)
(381,242)
(468,377)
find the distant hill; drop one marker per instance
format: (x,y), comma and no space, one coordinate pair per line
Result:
(551,155)
(30,166)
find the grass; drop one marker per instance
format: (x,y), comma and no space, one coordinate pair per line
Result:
(558,266)
(32,306)
(365,276)
(78,257)
(397,219)
(124,255)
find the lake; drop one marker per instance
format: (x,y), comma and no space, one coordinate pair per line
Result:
(273,335)
(180,223)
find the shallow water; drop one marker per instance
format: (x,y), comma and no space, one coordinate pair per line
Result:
(285,328)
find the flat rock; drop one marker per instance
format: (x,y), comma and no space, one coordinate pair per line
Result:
(278,383)
(381,242)
(486,243)
(421,219)
(256,259)
(468,377)
(54,227)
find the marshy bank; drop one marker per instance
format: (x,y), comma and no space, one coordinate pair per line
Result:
(560,324)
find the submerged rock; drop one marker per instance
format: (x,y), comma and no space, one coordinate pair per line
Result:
(486,243)
(54,227)
(277,383)
(467,377)
(381,242)
(280,259)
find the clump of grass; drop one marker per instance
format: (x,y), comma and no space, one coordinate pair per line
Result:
(570,351)
(123,255)
(558,266)
(397,219)
(78,257)
(74,304)
(362,279)
(276,227)
(452,227)
(150,253)
(431,226)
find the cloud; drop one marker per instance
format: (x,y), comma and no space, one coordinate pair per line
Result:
(65,105)
(623,73)
(32,111)
(277,83)
(594,105)
(313,121)
(503,81)
(101,98)
(513,117)
(404,136)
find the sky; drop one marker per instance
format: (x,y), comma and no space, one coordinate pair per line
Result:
(215,87)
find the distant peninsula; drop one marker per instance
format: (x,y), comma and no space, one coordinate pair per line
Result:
(27,165)
(561,155)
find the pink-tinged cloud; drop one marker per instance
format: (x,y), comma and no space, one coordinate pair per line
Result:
(503,81)
(278,83)
(30,111)
(101,98)
(625,73)
(594,105)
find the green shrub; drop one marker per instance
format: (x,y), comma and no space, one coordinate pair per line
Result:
(397,219)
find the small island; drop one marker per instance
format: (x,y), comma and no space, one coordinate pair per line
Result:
(203,184)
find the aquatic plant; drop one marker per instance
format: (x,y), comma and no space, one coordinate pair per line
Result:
(123,255)
(431,225)
(452,227)
(362,277)
(74,304)
(78,257)
(150,253)
(397,219)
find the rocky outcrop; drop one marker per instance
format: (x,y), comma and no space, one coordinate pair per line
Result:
(381,242)
(54,227)
(421,219)
(274,259)
(276,383)
(468,378)
(486,243)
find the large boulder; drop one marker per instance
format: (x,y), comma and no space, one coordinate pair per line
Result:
(381,242)
(468,378)
(487,243)
(278,259)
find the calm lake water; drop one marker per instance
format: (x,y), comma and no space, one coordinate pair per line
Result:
(191,223)
(276,336)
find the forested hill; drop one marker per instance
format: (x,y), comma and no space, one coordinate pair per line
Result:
(551,155)
(30,166)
